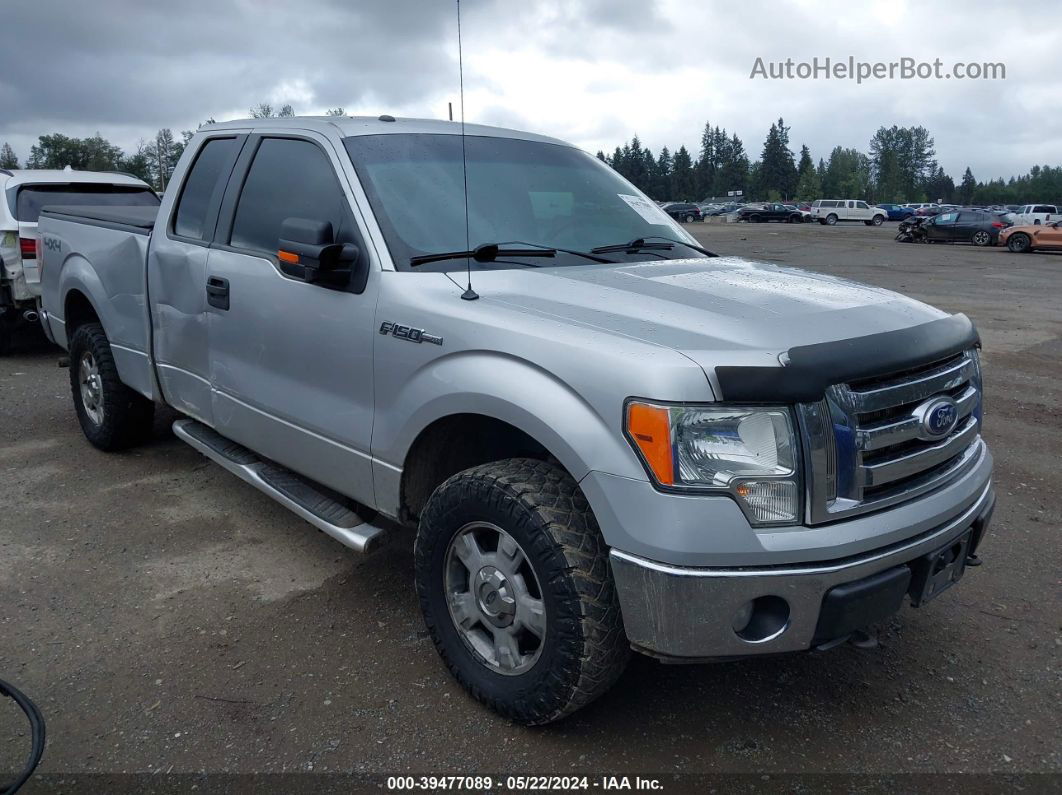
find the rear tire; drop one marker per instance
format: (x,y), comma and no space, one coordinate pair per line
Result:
(755,219)
(981,238)
(539,517)
(1019,243)
(112,416)
(831,219)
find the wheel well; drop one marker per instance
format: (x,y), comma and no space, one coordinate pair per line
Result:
(453,444)
(77,312)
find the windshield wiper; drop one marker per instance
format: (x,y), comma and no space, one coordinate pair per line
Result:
(488,252)
(640,244)
(585,254)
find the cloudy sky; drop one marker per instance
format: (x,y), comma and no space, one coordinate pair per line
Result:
(594,72)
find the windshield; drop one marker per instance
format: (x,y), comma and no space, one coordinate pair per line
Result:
(31,198)
(518,191)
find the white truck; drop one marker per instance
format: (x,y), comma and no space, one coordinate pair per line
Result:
(830,211)
(24,192)
(604,436)
(1036,214)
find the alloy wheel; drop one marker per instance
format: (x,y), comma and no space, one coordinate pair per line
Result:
(494,598)
(91,387)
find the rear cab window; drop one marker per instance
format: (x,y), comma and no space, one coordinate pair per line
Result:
(201,193)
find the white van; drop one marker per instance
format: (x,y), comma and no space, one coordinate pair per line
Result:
(830,211)
(22,194)
(1037,214)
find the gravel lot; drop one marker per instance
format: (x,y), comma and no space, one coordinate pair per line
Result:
(169,618)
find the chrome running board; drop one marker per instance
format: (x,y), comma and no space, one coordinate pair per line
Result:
(296,493)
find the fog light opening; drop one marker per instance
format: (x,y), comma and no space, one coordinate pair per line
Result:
(761,619)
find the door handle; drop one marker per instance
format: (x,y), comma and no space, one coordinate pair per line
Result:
(218,292)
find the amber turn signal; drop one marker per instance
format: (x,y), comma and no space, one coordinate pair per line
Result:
(289,257)
(649,428)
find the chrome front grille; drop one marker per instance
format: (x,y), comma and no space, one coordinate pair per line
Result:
(868,445)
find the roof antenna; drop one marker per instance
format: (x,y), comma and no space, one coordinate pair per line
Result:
(469,294)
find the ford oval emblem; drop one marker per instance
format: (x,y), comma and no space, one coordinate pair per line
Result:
(938,417)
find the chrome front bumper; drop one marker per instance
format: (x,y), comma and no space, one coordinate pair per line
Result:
(679,612)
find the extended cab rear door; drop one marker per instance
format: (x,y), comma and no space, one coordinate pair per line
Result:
(177,271)
(290,360)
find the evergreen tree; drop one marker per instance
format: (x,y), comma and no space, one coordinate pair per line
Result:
(778,172)
(682,176)
(967,188)
(808,187)
(707,162)
(733,171)
(662,188)
(8,158)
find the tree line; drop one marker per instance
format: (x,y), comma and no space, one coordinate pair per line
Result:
(899,166)
(152,160)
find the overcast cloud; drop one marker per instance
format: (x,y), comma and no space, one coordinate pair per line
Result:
(594,72)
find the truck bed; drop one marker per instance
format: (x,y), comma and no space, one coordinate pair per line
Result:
(139,219)
(101,251)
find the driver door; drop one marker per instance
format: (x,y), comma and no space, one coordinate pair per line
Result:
(942,227)
(291,360)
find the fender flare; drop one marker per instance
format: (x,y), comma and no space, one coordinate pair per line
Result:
(512,390)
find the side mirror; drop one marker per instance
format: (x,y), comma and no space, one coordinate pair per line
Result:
(307,250)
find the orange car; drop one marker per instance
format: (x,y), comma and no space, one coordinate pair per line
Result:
(1031,238)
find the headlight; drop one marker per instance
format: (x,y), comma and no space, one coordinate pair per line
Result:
(747,451)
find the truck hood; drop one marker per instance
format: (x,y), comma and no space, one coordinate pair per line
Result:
(716,311)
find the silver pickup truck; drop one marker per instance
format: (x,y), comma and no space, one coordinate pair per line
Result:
(606,437)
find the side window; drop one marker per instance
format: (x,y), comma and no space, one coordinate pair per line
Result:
(288,178)
(970,218)
(202,188)
(1043,208)
(862,205)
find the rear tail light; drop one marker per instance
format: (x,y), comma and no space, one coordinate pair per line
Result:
(998,224)
(27,247)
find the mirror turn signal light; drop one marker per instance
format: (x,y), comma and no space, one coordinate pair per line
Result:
(649,427)
(289,257)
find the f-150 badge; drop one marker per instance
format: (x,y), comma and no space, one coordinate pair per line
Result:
(409,334)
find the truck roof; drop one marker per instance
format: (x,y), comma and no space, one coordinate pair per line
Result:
(379,125)
(21,176)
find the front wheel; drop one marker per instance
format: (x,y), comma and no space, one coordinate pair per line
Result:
(516,590)
(1019,243)
(755,219)
(877,220)
(111,415)
(981,238)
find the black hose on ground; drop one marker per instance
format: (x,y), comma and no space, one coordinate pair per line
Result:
(36,728)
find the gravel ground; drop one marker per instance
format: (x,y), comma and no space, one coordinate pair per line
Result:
(168,618)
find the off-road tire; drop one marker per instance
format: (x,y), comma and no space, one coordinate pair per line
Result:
(585,648)
(127,416)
